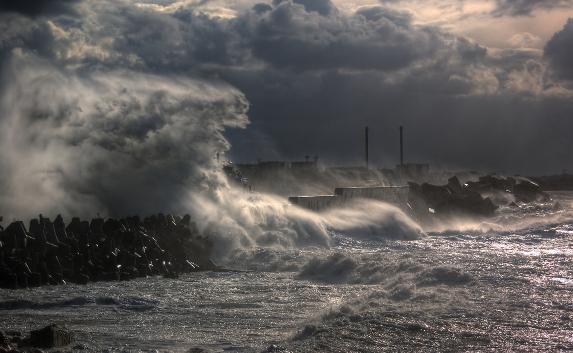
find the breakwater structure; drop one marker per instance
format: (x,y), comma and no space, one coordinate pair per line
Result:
(478,199)
(51,252)
(395,195)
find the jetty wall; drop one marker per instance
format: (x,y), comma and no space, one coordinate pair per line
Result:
(316,203)
(396,195)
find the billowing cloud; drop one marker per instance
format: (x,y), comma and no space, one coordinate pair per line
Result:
(526,7)
(292,37)
(323,7)
(559,50)
(304,106)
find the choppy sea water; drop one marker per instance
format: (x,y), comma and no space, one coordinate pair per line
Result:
(504,289)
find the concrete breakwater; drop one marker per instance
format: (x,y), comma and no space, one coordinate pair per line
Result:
(395,195)
(475,199)
(51,252)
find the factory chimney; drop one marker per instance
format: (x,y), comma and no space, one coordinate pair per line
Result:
(401,146)
(366,145)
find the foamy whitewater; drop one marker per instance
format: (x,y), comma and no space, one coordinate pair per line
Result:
(505,285)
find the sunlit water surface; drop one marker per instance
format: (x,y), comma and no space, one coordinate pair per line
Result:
(456,291)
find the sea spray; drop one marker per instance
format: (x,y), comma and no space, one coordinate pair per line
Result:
(507,219)
(118,143)
(372,219)
(237,219)
(112,143)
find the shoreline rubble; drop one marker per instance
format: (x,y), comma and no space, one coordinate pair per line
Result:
(51,253)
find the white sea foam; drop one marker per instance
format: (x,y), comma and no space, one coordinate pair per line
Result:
(240,220)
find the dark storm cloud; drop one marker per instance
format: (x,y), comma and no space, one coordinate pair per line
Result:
(323,7)
(526,7)
(461,106)
(559,51)
(20,31)
(293,36)
(325,115)
(314,76)
(37,7)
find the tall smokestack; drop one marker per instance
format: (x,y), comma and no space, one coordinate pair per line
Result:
(366,145)
(401,146)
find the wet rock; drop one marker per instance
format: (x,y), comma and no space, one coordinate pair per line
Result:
(197,350)
(81,278)
(51,336)
(467,203)
(80,347)
(109,250)
(523,190)
(435,195)
(448,200)
(527,191)
(454,185)
(4,339)
(273,348)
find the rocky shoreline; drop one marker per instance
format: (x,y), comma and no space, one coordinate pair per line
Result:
(52,336)
(475,199)
(51,252)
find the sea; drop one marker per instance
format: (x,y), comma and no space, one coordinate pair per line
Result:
(505,285)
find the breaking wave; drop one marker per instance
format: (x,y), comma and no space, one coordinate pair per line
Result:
(241,220)
(113,143)
(532,217)
(340,268)
(118,143)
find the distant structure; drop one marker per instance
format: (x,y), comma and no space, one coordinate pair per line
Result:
(306,177)
(401,146)
(366,145)
(410,171)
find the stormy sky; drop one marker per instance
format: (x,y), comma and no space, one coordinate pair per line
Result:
(477,84)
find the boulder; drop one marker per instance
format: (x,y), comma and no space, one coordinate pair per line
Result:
(51,336)
(4,339)
(449,200)
(467,204)
(527,191)
(454,185)
(435,195)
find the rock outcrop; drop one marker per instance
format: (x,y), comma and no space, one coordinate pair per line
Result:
(473,199)
(50,337)
(522,190)
(448,200)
